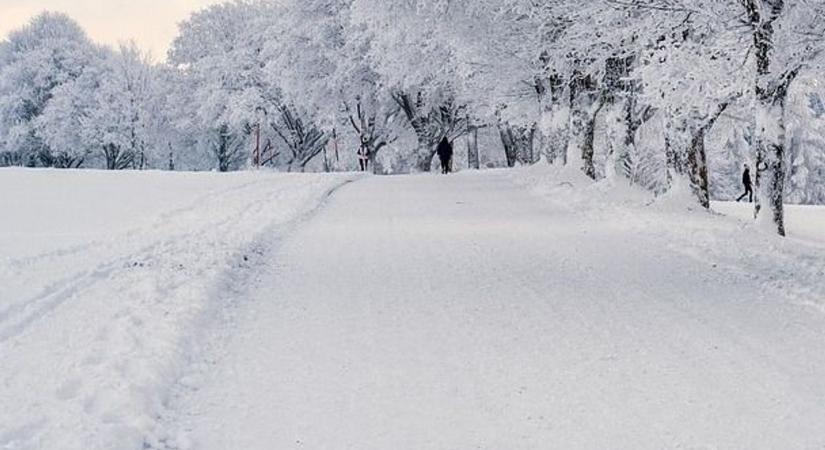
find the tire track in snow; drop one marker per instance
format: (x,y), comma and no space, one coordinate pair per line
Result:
(15,318)
(218,322)
(118,316)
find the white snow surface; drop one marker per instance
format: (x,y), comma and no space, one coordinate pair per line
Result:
(805,222)
(408,312)
(463,313)
(105,281)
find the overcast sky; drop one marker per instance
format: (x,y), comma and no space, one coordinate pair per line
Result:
(151,23)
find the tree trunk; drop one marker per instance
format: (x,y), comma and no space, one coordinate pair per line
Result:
(517,142)
(771,170)
(506,136)
(373,161)
(633,121)
(582,102)
(574,150)
(424,154)
(527,154)
(431,124)
(588,151)
(770,109)
(556,137)
(770,147)
(698,168)
(694,161)
(554,118)
(473,161)
(673,135)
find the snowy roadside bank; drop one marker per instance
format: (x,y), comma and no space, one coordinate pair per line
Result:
(105,278)
(790,268)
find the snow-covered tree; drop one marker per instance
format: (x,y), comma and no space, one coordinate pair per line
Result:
(692,76)
(120,122)
(788,39)
(63,124)
(224,90)
(410,54)
(783,40)
(654,92)
(37,61)
(318,59)
(806,148)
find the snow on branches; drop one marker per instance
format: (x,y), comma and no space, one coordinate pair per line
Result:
(647,91)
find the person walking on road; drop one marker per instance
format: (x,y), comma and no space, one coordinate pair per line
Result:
(364,156)
(445,155)
(747,183)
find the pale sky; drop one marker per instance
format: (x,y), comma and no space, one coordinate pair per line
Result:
(151,23)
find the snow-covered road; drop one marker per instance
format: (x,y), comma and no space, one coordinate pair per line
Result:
(461,312)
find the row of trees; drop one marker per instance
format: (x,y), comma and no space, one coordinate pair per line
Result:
(661,93)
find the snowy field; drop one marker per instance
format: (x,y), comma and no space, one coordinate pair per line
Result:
(105,279)
(519,309)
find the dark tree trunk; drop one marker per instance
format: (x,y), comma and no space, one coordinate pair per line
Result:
(517,142)
(588,150)
(585,103)
(509,146)
(424,154)
(473,161)
(693,161)
(634,118)
(9,159)
(304,140)
(369,135)
(698,168)
(222,150)
(116,158)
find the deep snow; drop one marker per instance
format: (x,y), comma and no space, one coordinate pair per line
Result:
(805,223)
(201,311)
(105,281)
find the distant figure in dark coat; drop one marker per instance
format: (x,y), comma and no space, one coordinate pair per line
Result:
(445,154)
(746,181)
(364,156)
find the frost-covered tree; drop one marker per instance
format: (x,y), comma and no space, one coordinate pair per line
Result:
(664,93)
(304,140)
(120,120)
(691,76)
(37,61)
(318,59)
(806,149)
(409,53)
(64,122)
(784,39)
(217,52)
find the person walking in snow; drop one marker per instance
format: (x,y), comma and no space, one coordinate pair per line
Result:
(364,156)
(746,181)
(445,155)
